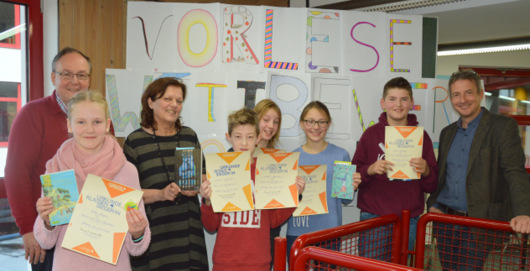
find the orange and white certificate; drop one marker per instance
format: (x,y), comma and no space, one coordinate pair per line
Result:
(259,151)
(98,226)
(315,200)
(229,175)
(275,180)
(403,143)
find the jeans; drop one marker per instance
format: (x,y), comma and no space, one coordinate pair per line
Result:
(377,243)
(457,249)
(47,264)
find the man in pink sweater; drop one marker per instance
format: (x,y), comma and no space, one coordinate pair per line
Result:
(37,132)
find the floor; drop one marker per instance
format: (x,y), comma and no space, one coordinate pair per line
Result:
(11,244)
(12,254)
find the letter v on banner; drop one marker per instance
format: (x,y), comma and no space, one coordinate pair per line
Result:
(268,47)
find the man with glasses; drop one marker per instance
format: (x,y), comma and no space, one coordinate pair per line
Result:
(37,132)
(482,174)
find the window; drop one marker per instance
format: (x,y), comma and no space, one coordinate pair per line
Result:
(10,26)
(21,80)
(10,103)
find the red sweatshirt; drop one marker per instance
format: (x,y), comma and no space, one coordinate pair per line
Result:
(37,132)
(243,238)
(377,194)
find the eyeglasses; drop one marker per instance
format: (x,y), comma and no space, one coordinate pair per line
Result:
(70,76)
(321,123)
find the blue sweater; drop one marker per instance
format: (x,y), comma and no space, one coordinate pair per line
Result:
(304,224)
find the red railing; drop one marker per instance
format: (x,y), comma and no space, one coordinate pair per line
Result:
(462,243)
(280,253)
(443,242)
(378,238)
(315,258)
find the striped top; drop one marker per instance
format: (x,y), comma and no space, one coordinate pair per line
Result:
(177,237)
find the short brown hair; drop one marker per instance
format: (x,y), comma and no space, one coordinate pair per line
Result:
(155,91)
(261,108)
(398,82)
(317,105)
(242,116)
(465,75)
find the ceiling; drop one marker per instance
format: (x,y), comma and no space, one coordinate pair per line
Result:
(461,21)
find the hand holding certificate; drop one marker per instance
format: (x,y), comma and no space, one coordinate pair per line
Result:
(275,180)
(98,226)
(231,184)
(403,143)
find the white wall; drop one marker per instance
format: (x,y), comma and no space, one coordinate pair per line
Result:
(51,41)
(446,65)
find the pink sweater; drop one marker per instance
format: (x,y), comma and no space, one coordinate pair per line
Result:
(109,163)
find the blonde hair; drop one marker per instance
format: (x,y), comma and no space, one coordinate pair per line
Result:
(242,116)
(88,96)
(261,109)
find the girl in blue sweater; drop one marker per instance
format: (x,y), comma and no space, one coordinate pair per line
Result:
(315,121)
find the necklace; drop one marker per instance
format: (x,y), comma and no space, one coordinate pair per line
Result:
(177,199)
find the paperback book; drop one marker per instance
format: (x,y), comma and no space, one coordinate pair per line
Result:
(61,187)
(189,168)
(343,180)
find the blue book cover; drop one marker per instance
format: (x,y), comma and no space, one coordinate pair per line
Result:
(343,180)
(61,187)
(189,168)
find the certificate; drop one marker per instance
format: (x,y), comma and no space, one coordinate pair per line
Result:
(98,226)
(259,151)
(314,201)
(401,144)
(275,180)
(229,175)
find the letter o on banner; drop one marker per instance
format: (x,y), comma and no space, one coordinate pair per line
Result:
(205,18)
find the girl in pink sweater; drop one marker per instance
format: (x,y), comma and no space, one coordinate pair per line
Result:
(91,150)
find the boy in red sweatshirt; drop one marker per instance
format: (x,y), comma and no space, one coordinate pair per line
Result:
(243,241)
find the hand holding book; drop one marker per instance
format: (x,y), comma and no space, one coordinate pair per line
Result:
(45,208)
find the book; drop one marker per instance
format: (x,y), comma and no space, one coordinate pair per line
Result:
(61,187)
(342,182)
(189,168)
(98,226)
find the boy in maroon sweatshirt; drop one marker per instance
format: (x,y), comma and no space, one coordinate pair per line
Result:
(378,195)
